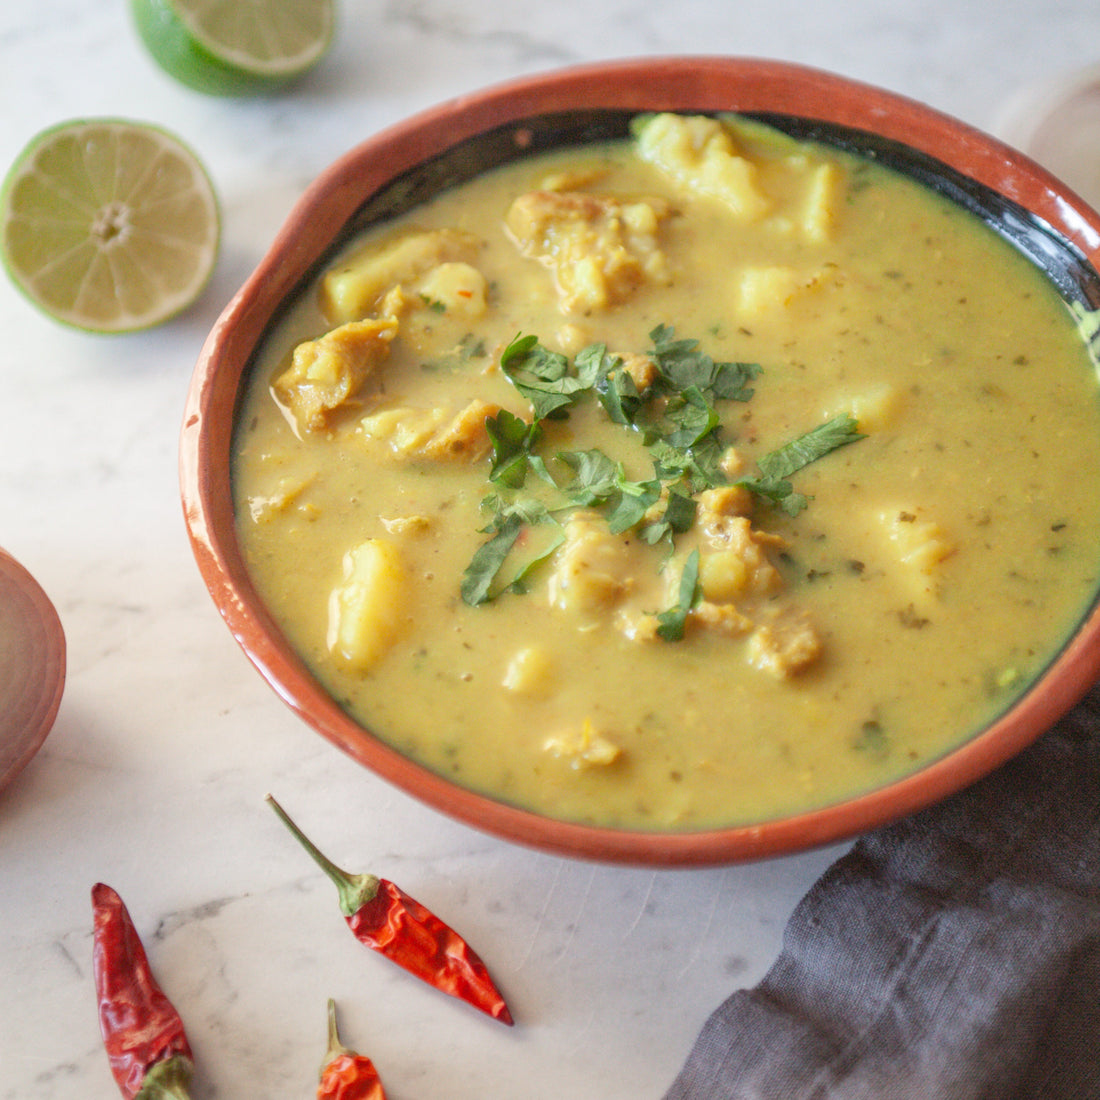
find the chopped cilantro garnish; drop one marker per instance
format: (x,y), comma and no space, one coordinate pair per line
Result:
(541,375)
(512,440)
(595,476)
(676,420)
(488,560)
(597,481)
(508,525)
(778,465)
(684,367)
(808,448)
(672,622)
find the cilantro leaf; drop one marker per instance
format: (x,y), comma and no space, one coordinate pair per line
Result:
(680,511)
(672,622)
(778,465)
(593,364)
(699,467)
(683,367)
(528,509)
(511,518)
(776,491)
(614,387)
(815,444)
(679,515)
(595,476)
(487,561)
(518,583)
(512,440)
(694,416)
(632,501)
(542,376)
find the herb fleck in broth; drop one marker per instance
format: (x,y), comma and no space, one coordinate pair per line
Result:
(677,482)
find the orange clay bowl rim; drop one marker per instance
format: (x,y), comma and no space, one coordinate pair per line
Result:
(671,83)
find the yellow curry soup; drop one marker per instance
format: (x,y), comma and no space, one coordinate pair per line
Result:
(675,482)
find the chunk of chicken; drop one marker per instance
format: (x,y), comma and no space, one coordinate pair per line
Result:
(721,617)
(785,646)
(433,433)
(600,248)
(737,562)
(717,505)
(286,494)
(327,373)
(464,437)
(584,747)
(590,567)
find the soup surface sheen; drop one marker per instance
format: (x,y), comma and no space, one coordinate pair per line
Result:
(708,626)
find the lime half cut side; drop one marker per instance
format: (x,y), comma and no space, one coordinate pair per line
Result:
(235,47)
(109,225)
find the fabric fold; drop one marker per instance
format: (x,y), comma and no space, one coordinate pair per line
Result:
(952,955)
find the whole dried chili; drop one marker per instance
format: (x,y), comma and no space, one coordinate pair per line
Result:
(143,1035)
(345,1074)
(385,918)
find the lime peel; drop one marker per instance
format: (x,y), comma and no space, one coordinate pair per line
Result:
(235,47)
(109,225)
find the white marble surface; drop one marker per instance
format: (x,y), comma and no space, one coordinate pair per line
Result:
(153,777)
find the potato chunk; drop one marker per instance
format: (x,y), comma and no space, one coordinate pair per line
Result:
(824,190)
(530,672)
(599,248)
(794,195)
(875,408)
(365,608)
(764,289)
(356,288)
(457,288)
(327,373)
(700,154)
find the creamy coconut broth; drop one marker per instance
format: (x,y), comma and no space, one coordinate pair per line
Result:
(616,611)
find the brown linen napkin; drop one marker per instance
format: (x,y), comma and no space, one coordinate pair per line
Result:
(953,955)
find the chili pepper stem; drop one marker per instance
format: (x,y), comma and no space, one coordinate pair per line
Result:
(335,1046)
(355,890)
(168,1080)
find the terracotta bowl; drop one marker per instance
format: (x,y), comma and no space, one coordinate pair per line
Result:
(414,159)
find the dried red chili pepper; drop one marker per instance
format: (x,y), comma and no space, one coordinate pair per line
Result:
(385,918)
(345,1074)
(143,1035)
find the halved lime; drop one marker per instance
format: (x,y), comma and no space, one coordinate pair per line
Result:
(109,225)
(235,47)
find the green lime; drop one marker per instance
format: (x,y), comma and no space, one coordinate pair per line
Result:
(235,47)
(109,225)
